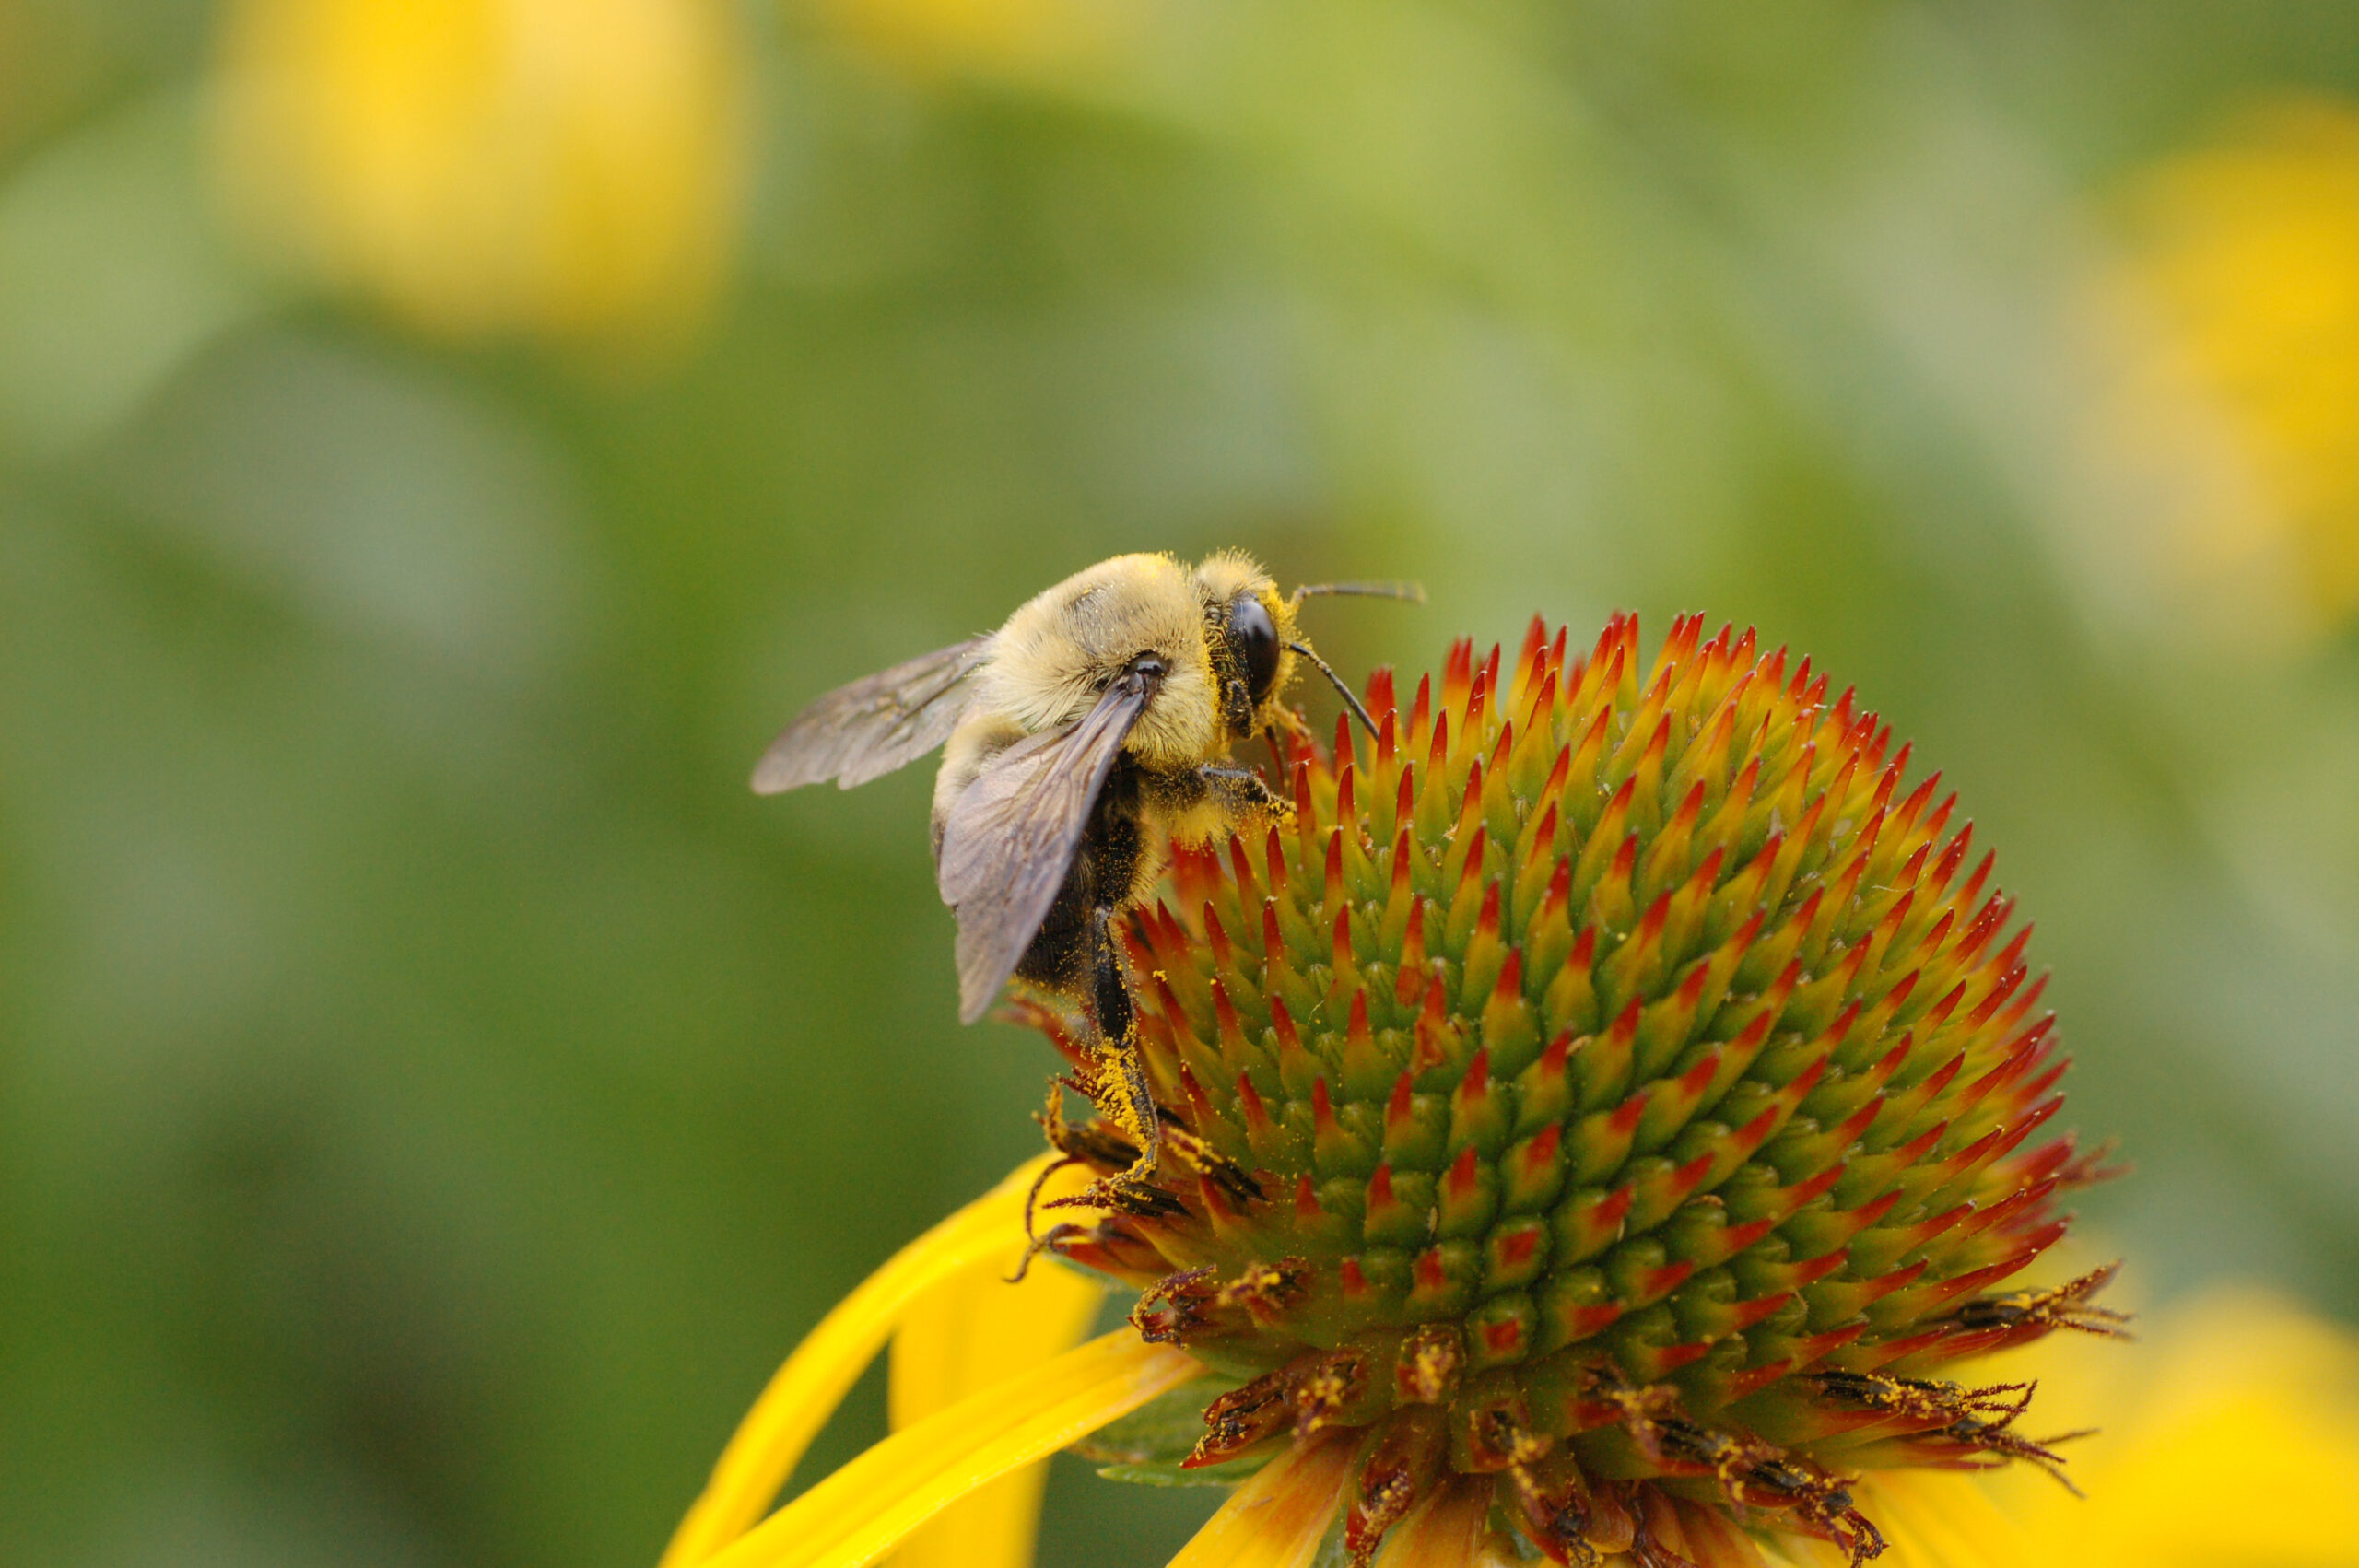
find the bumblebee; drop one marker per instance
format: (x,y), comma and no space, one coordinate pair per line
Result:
(1078,739)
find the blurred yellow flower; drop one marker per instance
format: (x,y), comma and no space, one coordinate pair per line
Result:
(2244,263)
(560,169)
(931,38)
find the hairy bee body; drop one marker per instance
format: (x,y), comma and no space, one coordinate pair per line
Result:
(1078,740)
(1086,732)
(1113,868)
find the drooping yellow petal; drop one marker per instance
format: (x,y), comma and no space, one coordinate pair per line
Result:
(2228,1434)
(1807,1551)
(1444,1533)
(1276,1518)
(864,1509)
(973,1332)
(804,1392)
(1943,1519)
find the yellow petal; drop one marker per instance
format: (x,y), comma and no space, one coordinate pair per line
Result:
(864,1509)
(1443,1533)
(1808,1551)
(973,1332)
(804,1392)
(1942,1519)
(1275,1519)
(2228,1433)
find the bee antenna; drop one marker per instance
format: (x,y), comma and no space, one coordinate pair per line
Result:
(1407,593)
(1337,681)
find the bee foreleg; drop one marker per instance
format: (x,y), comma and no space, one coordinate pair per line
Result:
(1240,789)
(1212,801)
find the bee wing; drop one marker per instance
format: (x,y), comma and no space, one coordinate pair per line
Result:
(871,727)
(1010,837)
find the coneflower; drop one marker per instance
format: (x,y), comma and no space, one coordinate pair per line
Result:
(1615,1094)
(1603,1109)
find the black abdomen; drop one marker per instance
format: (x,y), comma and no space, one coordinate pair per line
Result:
(1103,876)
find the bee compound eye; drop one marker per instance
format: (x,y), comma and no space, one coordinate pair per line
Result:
(1254,637)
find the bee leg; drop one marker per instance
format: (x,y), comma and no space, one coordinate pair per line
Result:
(1242,793)
(1122,1091)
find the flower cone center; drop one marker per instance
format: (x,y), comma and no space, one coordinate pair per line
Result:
(1617,1084)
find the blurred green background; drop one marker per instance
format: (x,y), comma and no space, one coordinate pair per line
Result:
(441,441)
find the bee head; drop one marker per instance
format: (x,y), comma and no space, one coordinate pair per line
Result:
(1248,627)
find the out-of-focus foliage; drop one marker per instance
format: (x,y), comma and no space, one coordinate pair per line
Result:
(435,1092)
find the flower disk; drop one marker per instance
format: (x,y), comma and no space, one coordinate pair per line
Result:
(1614,1090)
